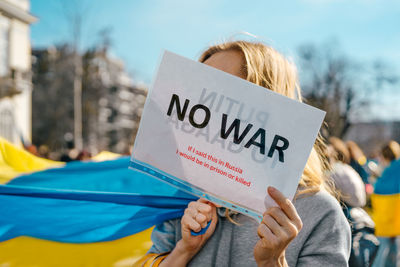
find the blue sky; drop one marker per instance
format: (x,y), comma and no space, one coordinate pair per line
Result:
(365,29)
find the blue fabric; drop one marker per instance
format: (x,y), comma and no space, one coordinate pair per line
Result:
(389,182)
(105,176)
(386,256)
(202,231)
(87,202)
(360,170)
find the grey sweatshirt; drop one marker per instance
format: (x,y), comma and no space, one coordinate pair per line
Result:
(325,239)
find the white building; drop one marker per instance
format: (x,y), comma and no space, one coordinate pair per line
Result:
(120,105)
(15,70)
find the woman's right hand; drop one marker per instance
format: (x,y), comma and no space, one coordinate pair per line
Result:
(196,216)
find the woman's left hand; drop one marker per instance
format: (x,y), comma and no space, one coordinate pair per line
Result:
(280,225)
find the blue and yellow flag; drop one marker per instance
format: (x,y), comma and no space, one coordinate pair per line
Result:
(80,213)
(15,161)
(386,202)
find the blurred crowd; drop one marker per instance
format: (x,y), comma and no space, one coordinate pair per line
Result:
(356,178)
(70,154)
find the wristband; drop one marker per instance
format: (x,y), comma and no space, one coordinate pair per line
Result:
(202,231)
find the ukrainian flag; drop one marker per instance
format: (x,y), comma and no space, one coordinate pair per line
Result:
(80,213)
(386,202)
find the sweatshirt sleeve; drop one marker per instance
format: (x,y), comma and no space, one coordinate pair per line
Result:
(329,241)
(164,237)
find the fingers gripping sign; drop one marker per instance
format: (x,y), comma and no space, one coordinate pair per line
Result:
(279,226)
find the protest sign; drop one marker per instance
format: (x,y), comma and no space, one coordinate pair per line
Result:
(221,137)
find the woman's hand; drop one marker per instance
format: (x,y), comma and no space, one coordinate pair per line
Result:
(197,215)
(279,226)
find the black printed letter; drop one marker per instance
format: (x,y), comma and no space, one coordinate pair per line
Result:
(252,141)
(180,112)
(206,118)
(279,148)
(235,125)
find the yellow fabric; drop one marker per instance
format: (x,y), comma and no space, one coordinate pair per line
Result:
(105,155)
(146,260)
(142,261)
(15,161)
(157,262)
(150,260)
(26,252)
(386,214)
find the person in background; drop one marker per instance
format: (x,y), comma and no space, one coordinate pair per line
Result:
(390,153)
(358,160)
(84,155)
(44,151)
(352,193)
(31,148)
(386,204)
(345,178)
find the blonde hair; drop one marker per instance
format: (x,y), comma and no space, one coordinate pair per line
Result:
(342,151)
(356,152)
(266,67)
(391,151)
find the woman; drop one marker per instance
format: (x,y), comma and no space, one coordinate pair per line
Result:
(347,181)
(353,197)
(311,231)
(390,152)
(385,203)
(358,161)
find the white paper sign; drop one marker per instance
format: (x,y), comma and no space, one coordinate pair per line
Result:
(221,137)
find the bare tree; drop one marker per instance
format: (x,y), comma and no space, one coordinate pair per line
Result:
(52,105)
(339,85)
(75,12)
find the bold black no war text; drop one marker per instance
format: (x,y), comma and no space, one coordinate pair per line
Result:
(235,127)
